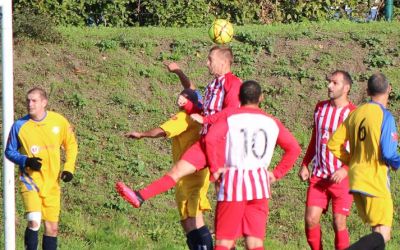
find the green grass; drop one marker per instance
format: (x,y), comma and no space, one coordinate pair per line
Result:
(111,80)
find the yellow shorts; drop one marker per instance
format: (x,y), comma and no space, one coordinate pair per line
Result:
(374,210)
(49,205)
(191,194)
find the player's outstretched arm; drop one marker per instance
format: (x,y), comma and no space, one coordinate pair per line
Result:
(152,133)
(185,81)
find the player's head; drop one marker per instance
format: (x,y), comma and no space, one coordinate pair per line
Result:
(219,61)
(378,85)
(339,84)
(36,102)
(250,93)
(188,101)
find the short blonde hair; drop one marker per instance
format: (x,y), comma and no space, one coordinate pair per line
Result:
(225,51)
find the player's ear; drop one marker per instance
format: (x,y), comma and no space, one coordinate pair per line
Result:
(261,98)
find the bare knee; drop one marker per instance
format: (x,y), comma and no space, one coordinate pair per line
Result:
(51,228)
(384,231)
(192,223)
(181,169)
(339,222)
(312,216)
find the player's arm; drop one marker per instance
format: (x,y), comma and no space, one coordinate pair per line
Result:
(291,149)
(185,81)
(232,89)
(210,119)
(70,146)
(152,133)
(215,148)
(336,142)
(12,148)
(304,172)
(389,141)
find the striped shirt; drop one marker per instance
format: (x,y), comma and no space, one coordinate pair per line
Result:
(221,93)
(327,118)
(243,140)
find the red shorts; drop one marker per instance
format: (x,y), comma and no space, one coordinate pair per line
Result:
(321,191)
(234,219)
(196,154)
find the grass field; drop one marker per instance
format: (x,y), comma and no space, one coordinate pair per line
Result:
(107,81)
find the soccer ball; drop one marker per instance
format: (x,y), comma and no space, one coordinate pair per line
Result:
(221,31)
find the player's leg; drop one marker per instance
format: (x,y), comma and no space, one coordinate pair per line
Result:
(192,201)
(51,213)
(33,208)
(50,235)
(254,223)
(317,203)
(228,223)
(378,212)
(193,159)
(341,205)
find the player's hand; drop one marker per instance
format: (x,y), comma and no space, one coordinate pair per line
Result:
(271,177)
(133,135)
(66,176)
(339,175)
(172,67)
(217,174)
(34,163)
(304,173)
(197,118)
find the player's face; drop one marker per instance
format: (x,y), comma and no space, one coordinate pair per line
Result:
(336,87)
(181,101)
(36,105)
(215,63)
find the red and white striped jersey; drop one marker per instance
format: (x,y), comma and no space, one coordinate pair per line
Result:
(243,140)
(221,93)
(327,119)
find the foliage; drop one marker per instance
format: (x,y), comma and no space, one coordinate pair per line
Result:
(194,13)
(32,24)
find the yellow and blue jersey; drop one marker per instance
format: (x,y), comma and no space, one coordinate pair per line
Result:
(43,139)
(372,134)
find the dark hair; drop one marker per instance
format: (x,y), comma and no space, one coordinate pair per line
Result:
(250,92)
(39,90)
(377,84)
(191,95)
(346,76)
(225,51)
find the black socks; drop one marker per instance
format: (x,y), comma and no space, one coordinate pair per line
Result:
(49,243)
(373,241)
(31,239)
(200,239)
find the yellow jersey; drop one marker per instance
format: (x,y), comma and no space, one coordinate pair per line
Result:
(372,135)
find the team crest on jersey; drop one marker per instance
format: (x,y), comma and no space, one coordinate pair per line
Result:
(395,136)
(55,130)
(35,149)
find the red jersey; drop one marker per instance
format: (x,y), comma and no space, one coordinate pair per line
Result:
(221,93)
(327,118)
(243,140)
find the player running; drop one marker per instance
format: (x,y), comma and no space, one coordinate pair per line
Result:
(221,93)
(240,145)
(372,135)
(329,179)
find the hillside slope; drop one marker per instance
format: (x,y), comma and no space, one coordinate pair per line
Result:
(107,81)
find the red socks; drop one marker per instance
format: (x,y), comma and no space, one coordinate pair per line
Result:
(218,247)
(314,237)
(157,187)
(342,239)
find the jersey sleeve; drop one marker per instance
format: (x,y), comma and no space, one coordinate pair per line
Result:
(232,89)
(310,153)
(215,145)
(70,146)
(211,119)
(389,141)
(13,145)
(176,125)
(336,142)
(291,150)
